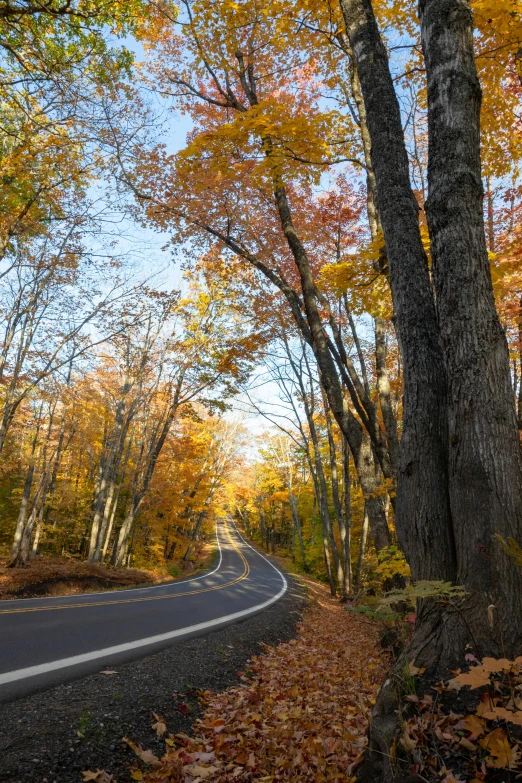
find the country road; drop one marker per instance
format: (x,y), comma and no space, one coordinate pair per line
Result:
(46,641)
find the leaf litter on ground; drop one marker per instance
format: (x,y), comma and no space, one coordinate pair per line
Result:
(301,712)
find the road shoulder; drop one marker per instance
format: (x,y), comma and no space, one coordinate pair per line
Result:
(54,735)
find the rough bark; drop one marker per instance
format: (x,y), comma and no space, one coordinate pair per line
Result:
(484,457)
(519,400)
(422,506)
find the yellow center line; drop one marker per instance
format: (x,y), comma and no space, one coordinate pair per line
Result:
(139,600)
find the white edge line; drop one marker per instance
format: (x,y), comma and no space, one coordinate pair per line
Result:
(125,589)
(62,663)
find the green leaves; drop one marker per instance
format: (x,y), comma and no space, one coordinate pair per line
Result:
(512,549)
(438,591)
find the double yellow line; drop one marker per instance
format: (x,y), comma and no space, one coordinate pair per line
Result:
(139,600)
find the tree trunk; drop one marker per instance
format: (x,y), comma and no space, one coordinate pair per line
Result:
(362,550)
(195,536)
(422,506)
(22,514)
(347,515)
(344,578)
(298,529)
(519,401)
(484,456)
(484,486)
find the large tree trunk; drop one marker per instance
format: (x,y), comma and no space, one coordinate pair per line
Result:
(452,534)
(422,507)
(484,456)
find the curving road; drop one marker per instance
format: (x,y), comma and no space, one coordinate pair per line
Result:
(45,641)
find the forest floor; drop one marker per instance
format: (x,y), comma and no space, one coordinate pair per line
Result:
(50,576)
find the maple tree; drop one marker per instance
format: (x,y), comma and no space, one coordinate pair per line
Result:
(328,207)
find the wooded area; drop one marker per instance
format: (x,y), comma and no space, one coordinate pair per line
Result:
(339,362)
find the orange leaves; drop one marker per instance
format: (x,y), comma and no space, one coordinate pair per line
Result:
(303,711)
(479,676)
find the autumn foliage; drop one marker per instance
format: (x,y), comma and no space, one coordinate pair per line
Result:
(301,712)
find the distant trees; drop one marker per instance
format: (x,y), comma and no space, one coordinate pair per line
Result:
(91,436)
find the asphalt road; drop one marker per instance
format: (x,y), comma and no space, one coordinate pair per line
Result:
(45,641)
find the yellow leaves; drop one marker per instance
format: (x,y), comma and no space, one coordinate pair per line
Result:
(475,725)
(512,548)
(500,754)
(269,139)
(392,562)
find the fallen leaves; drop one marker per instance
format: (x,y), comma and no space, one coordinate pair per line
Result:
(477,677)
(488,737)
(100,776)
(300,715)
(160,727)
(500,754)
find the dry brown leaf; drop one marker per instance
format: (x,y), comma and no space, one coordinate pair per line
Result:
(474,725)
(501,754)
(145,755)
(486,705)
(500,713)
(407,741)
(494,665)
(160,727)
(196,771)
(100,776)
(467,744)
(108,671)
(477,677)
